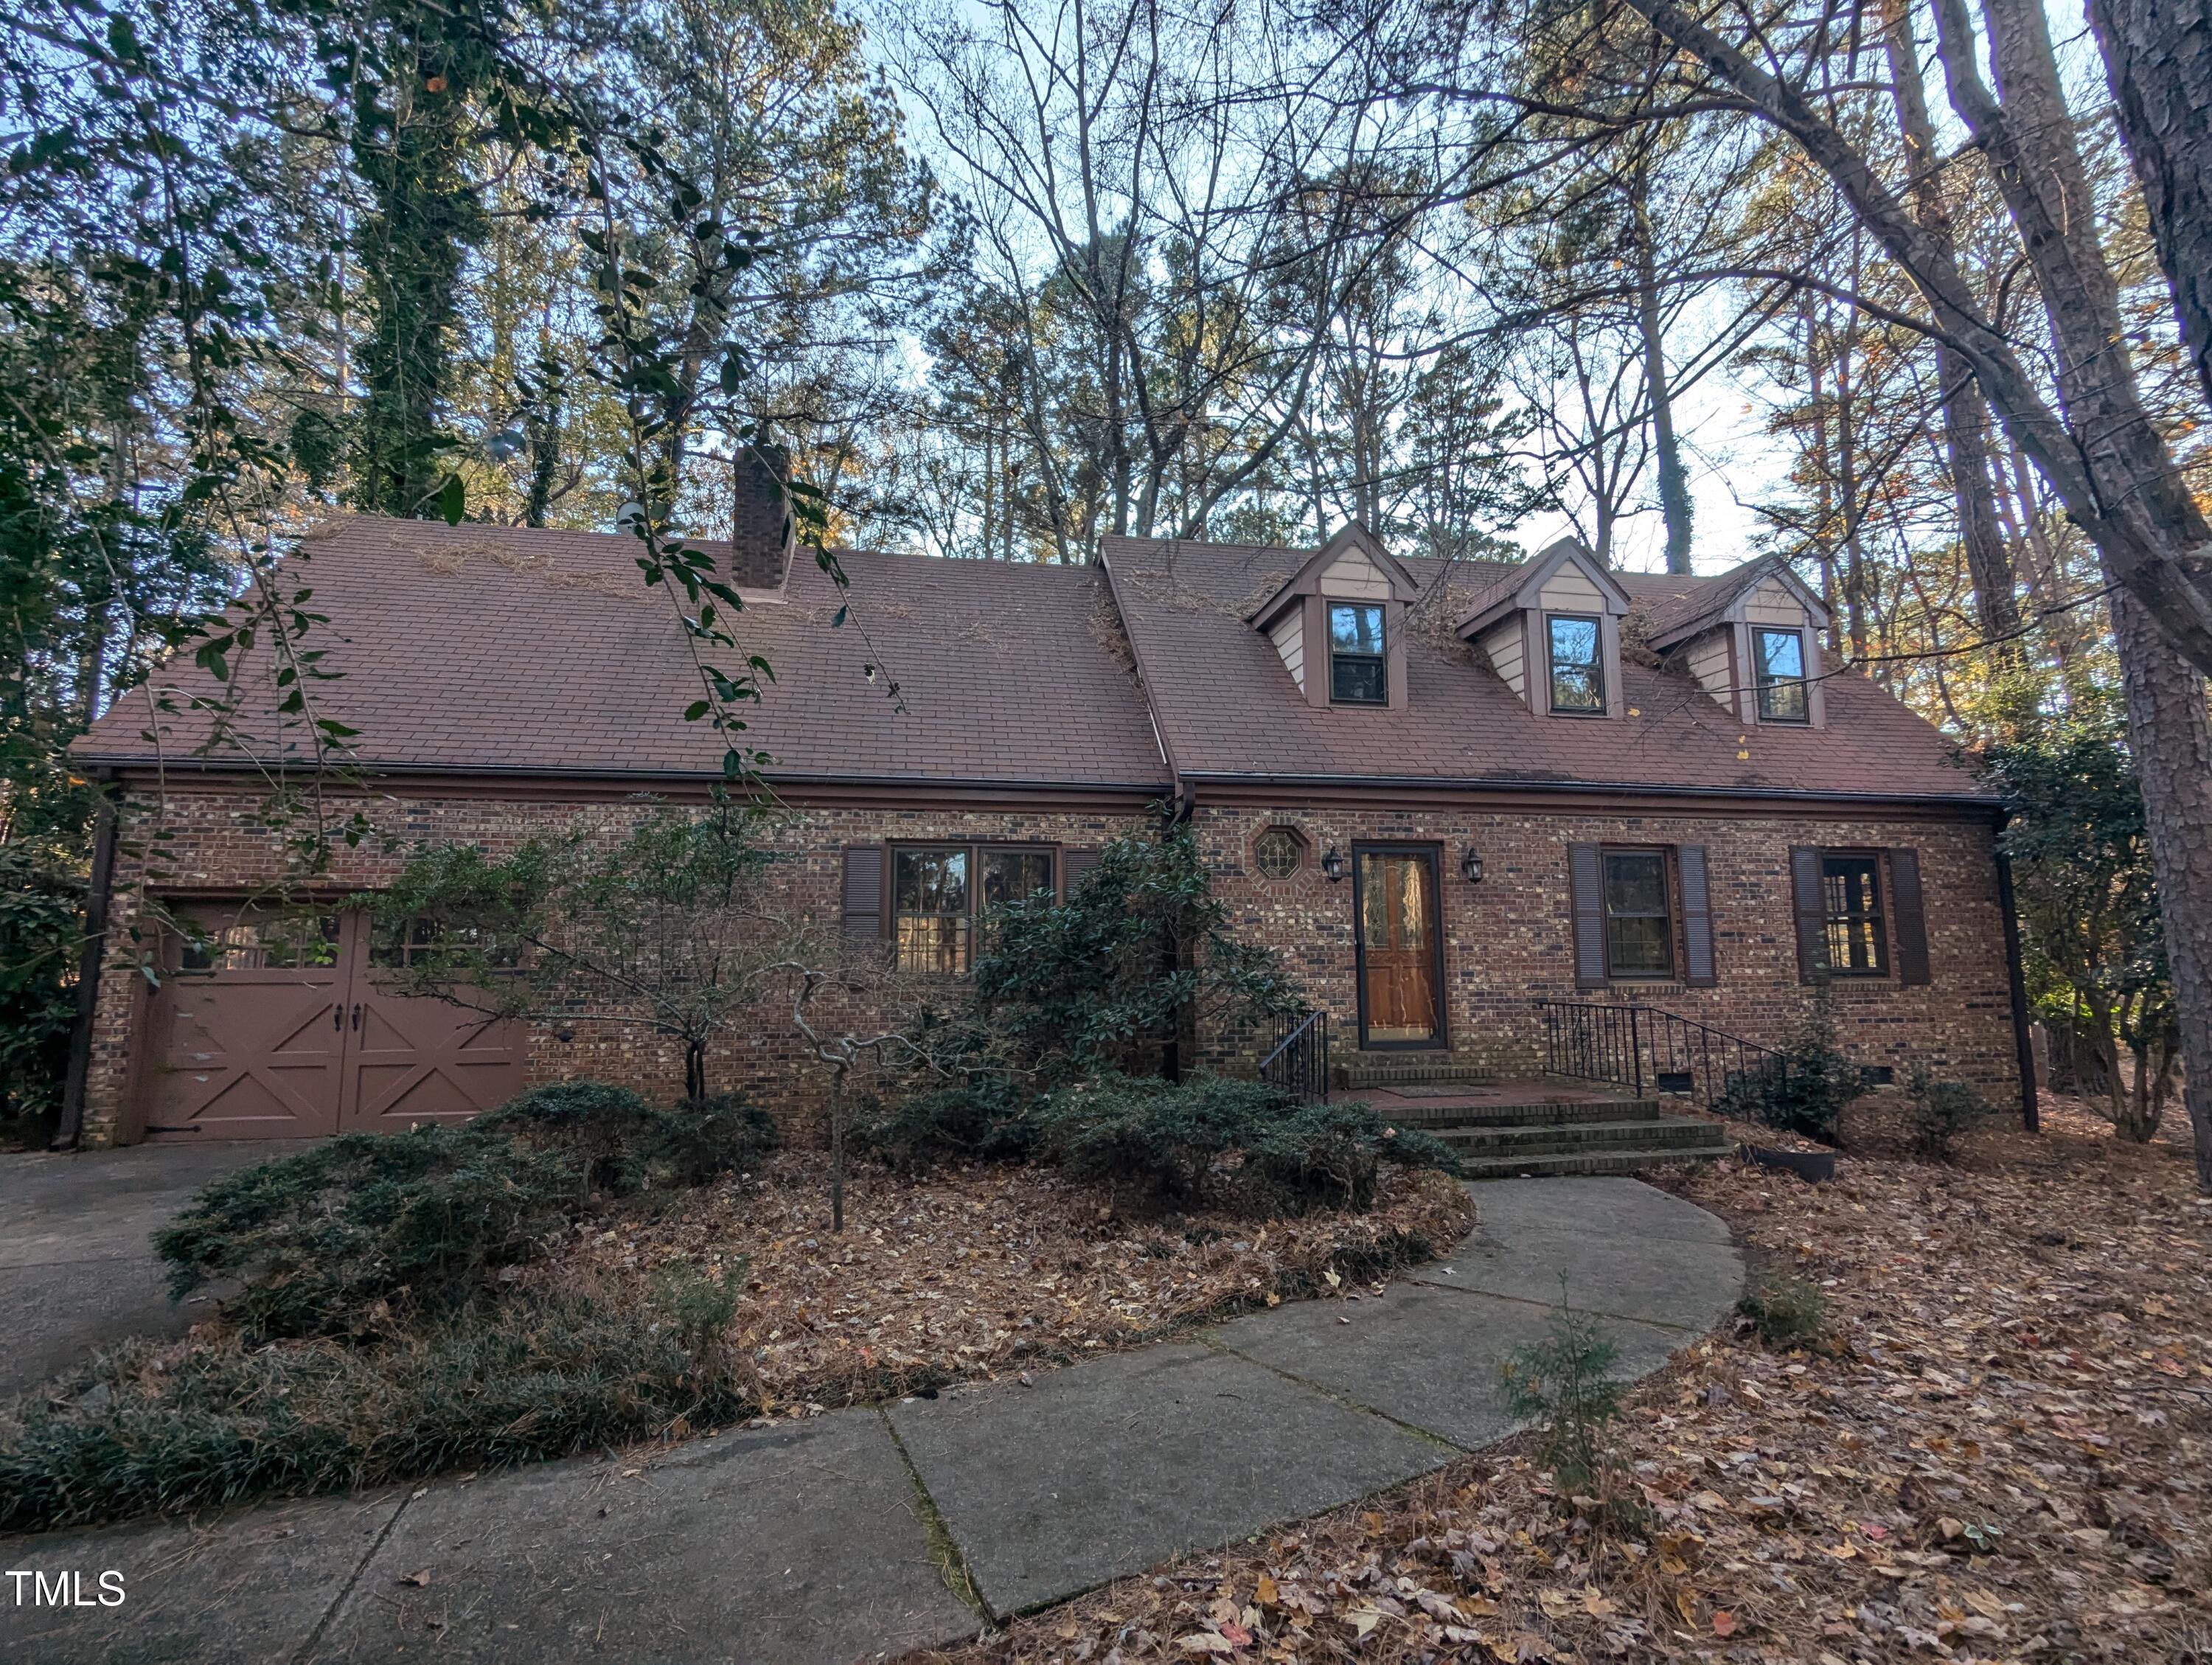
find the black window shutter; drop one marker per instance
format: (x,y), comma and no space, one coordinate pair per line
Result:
(1812,911)
(1908,916)
(1586,894)
(1697,916)
(863,908)
(1075,867)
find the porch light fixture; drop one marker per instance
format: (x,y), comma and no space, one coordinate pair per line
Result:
(1470,866)
(1332,865)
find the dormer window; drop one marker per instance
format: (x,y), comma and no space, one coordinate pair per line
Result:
(1750,638)
(1551,629)
(1779,658)
(1339,622)
(1576,645)
(1358,664)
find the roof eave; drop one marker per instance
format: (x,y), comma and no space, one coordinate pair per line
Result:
(1978,802)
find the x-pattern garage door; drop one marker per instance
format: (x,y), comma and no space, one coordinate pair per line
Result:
(273,1025)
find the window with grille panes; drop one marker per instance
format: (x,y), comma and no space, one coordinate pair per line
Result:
(944,895)
(1850,895)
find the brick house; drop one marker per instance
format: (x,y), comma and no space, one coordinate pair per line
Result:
(1445,793)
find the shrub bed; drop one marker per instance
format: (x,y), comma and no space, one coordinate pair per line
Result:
(554,1278)
(343,1237)
(216,1419)
(1239,1146)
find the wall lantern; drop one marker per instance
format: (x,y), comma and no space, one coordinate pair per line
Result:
(1332,865)
(1470,866)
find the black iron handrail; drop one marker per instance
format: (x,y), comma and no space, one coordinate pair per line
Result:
(1297,1063)
(1640,1046)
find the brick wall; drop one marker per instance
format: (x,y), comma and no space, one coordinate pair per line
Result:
(1507,939)
(217,843)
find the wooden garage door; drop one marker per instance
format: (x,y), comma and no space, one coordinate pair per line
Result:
(274,1026)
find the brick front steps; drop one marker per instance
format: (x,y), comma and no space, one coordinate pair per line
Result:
(1506,1129)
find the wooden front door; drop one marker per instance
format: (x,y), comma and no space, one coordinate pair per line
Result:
(271,1024)
(1399,947)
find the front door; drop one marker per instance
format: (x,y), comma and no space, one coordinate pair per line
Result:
(1400,946)
(271,1024)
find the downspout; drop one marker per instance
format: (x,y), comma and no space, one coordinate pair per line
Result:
(2023,1042)
(90,960)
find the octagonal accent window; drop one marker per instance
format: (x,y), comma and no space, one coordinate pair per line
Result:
(1277,852)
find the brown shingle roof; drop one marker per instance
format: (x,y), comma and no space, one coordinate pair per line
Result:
(1676,608)
(1226,706)
(480,647)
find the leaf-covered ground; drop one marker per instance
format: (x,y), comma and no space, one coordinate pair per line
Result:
(1999,1453)
(967,1272)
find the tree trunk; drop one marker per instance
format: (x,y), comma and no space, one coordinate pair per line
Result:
(2173,742)
(1674,479)
(2158,57)
(837,1152)
(1847,476)
(1823,498)
(2040,169)
(1965,415)
(2107,462)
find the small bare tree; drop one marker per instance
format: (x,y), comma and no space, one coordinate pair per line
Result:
(670,928)
(842,1046)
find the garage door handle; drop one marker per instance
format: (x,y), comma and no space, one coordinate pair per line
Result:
(356,1015)
(337,1017)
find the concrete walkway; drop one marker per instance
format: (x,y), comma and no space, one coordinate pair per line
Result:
(864,1532)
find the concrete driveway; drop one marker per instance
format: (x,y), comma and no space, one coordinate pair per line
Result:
(76,1258)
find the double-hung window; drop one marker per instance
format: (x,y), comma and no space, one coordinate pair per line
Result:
(1357,665)
(1576,650)
(1851,892)
(1779,662)
(1639,919)
(942,894)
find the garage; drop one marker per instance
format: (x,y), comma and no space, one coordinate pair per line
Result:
(270,1024)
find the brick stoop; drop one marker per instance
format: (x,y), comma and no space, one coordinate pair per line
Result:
(1406,1069)
(1518,1129)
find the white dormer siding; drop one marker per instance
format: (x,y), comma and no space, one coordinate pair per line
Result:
(1719,646)
(1289,636)
(1352,567)
(1509,623)
(1714,666)
(1507,646)
(1770,602)
(1353,577)
(1571,591)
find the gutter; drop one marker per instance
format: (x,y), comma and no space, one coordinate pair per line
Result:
(1642,788)
(90,960)
(2016,986)
(684,777)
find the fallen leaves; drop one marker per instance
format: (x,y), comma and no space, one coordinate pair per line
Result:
(970,1272)
(1988,1459)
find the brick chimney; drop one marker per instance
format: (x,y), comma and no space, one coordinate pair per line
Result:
(762,531)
